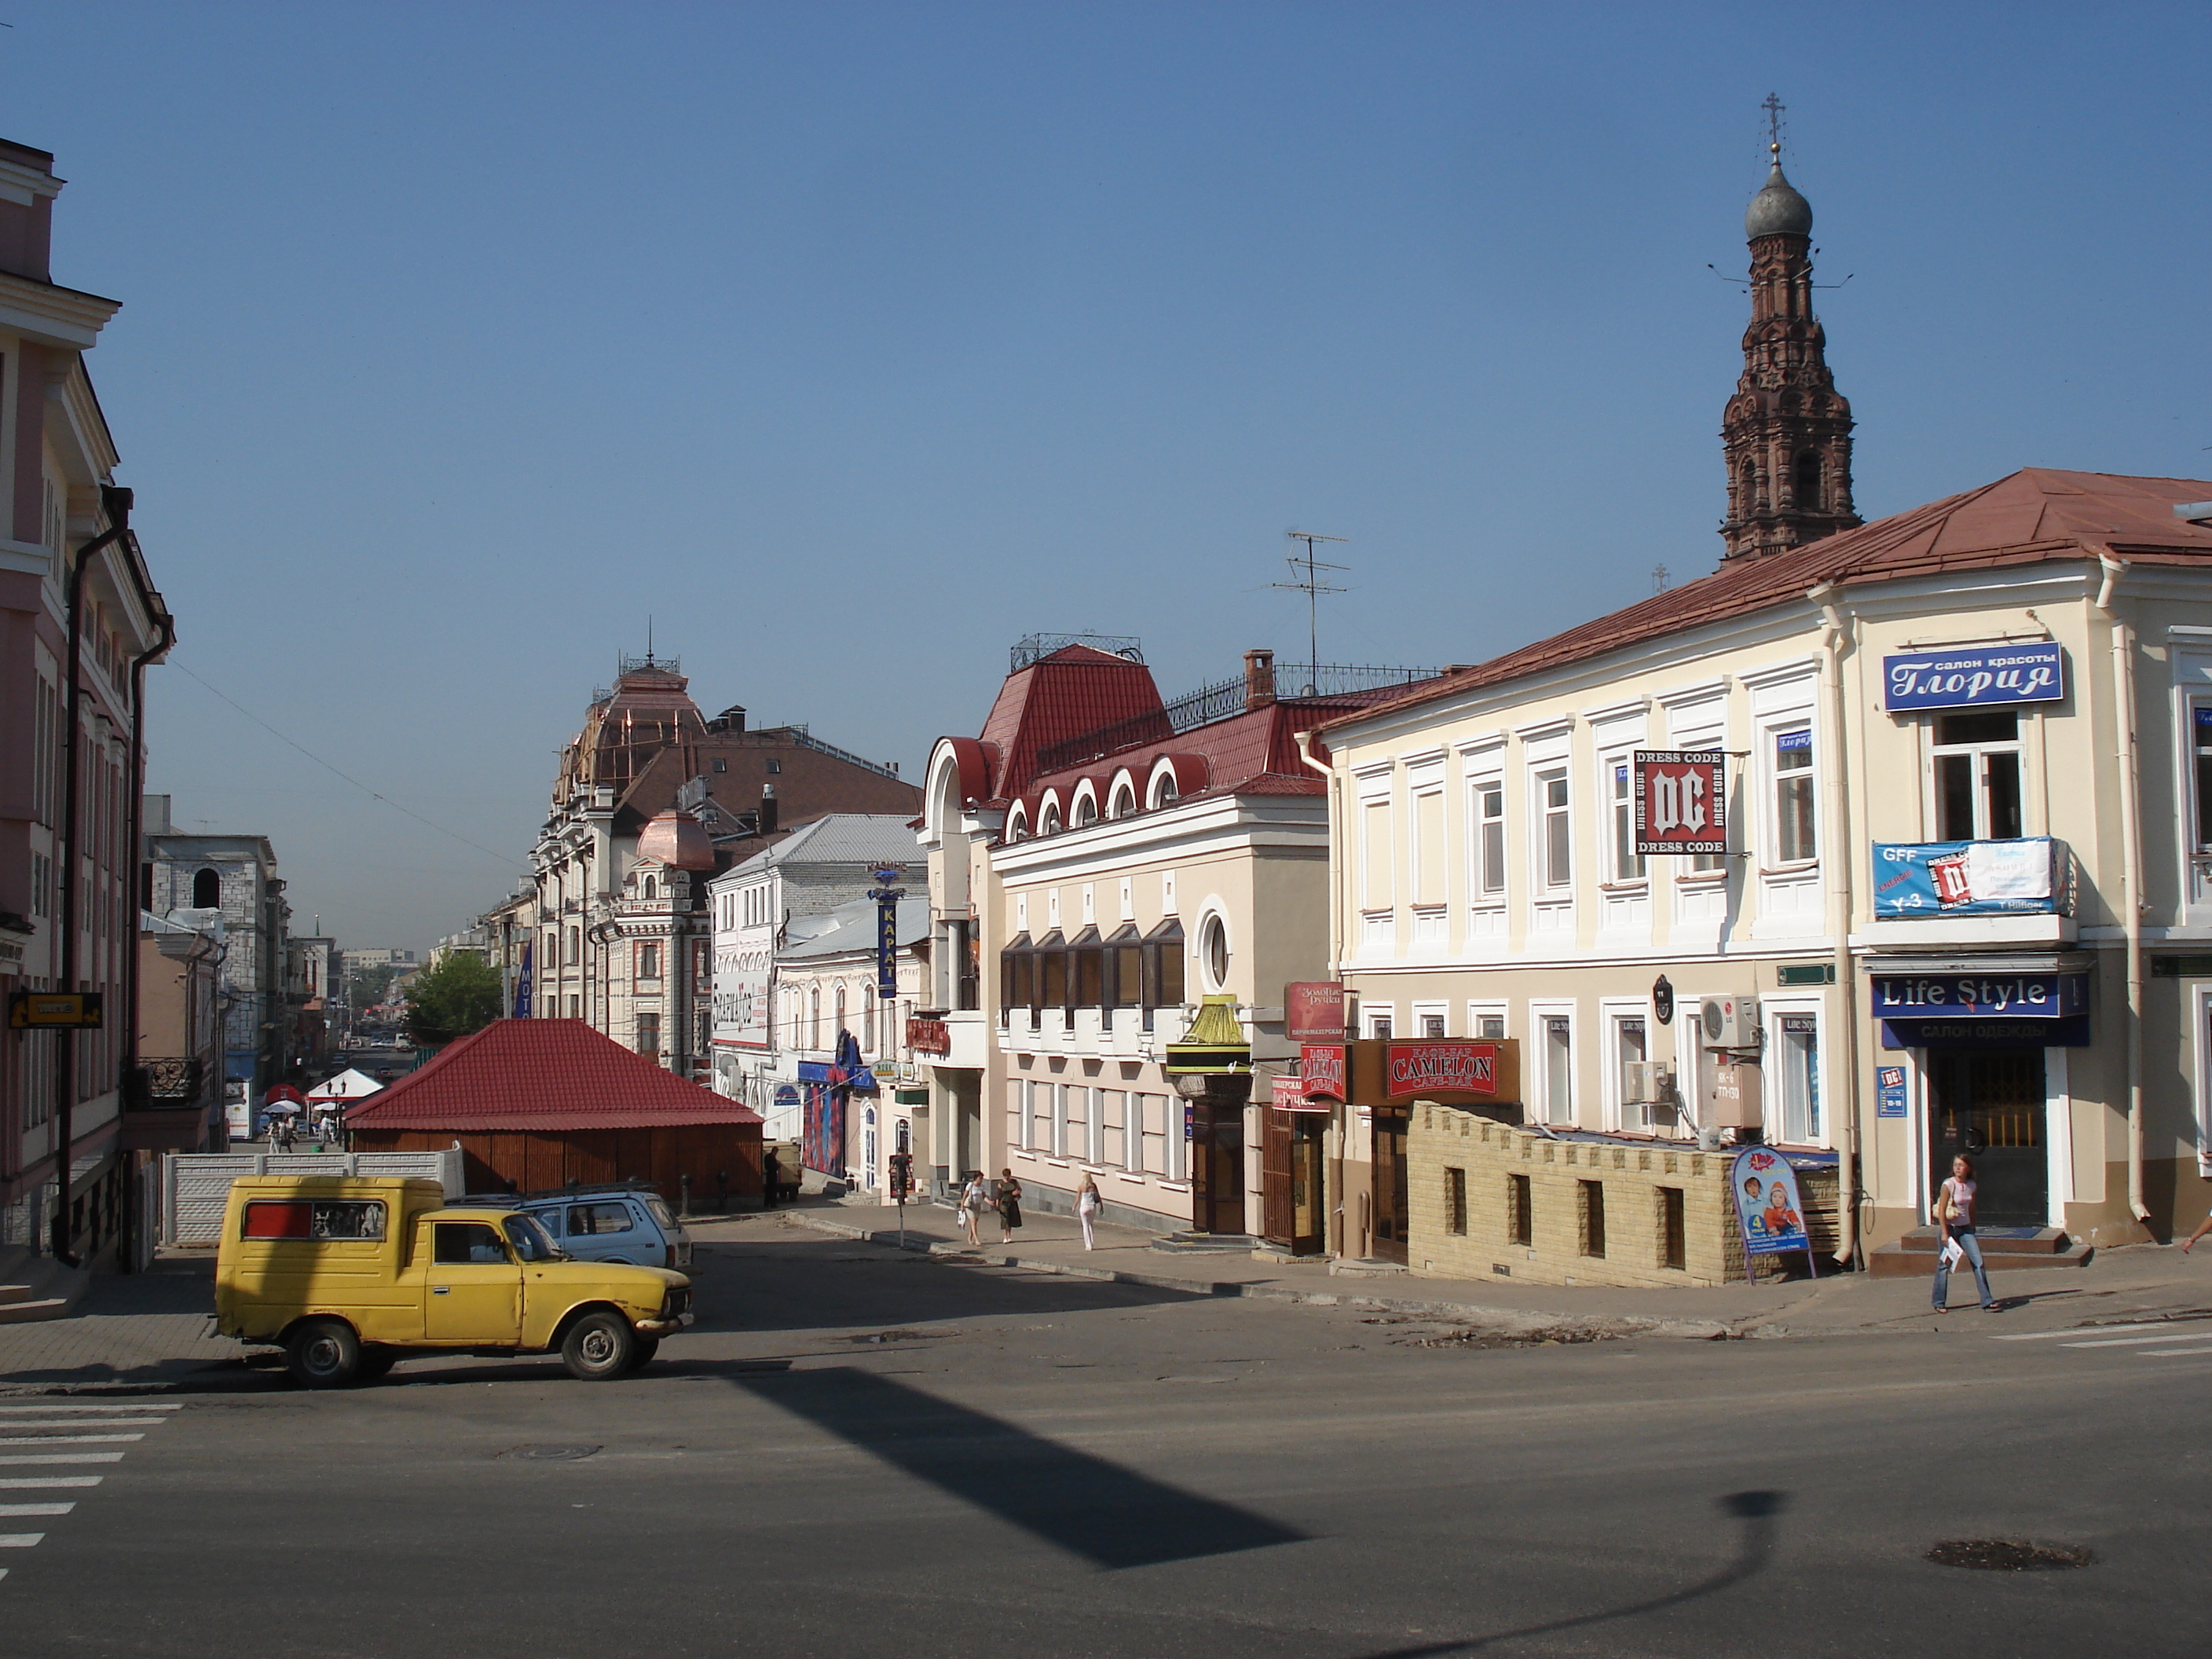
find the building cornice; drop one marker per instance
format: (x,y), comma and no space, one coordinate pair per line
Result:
(48,314)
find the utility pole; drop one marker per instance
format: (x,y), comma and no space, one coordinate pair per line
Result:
(1313,585)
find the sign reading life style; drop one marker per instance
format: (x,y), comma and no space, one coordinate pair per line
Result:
(1996,676)
(1680,799)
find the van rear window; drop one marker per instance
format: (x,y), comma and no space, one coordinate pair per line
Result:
(300,1217)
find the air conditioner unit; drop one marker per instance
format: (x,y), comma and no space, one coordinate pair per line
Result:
(1650,1082)
(1728,1022)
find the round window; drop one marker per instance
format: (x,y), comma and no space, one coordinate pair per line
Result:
(1213,951)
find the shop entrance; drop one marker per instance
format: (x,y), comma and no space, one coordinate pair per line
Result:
(1391,1203)
(1290,1181)
(1988,1104)
(1217,1164)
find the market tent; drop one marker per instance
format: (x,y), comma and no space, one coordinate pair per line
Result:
(346,1087)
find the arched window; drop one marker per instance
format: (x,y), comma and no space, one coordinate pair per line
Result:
(1746,490)
(1017,825)
(652,889)
(1213,952)
(1165,791)
(868,1019)
(1808,493)
(207,890)
(575,944)
(1086,809)
(1124,803)
(841,1027)
(814,1018)
(1049,825)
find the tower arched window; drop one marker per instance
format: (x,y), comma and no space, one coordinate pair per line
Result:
(1808,493)
(207,890)
(652,888)
(1746,490)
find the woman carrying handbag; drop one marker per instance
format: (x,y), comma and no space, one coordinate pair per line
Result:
(1954,1218)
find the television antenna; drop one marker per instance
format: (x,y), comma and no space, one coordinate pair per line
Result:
(1313,584)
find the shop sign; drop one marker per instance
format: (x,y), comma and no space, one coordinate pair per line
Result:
(928,1036)
(1966,877)
(1433,1067)
(1980,996)
(2070,1033)
(2000,676)
(1313,1010)
(1889,1082)
(72,1010)
(1680,799)
(1766,1204)
(1321,1069)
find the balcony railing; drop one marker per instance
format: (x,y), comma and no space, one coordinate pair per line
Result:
(165,1083)
(2033,875)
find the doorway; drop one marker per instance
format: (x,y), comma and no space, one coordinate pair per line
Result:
(1989,1104)
(1216,1163)
(1290,1181)
(1391,1198)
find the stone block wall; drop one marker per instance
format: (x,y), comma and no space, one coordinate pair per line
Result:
(1632,1176)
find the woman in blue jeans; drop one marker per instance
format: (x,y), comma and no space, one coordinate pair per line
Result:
(1955,1215)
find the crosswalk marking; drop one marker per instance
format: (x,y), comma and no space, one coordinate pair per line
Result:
(78,1423)
(2200,1352)
(2138,1341)
(70,1406)
(62,1457)
(2077,1330)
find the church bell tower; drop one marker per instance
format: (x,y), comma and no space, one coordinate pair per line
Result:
(1787,431)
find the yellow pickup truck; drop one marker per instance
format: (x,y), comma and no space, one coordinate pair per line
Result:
(347,1273)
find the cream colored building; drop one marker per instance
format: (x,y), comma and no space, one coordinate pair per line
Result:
(1484,879)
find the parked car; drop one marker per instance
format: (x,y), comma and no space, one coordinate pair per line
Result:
(624,1221)
(348,1273)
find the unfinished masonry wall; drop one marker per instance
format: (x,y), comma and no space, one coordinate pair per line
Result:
(1580,1198)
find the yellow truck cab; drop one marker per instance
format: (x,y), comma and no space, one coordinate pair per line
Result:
(347,1273)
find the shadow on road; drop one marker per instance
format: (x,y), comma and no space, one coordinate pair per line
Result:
(1757,1511)
(1111,1516)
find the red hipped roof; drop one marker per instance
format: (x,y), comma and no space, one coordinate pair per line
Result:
(549,1075)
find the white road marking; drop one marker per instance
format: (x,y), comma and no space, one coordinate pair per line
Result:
(98,1439)
(2078,1330)
(13,1510)
(65,1406)
(19,1540)
(47,1482)
(64,1457)
(2200,1350)
(2135,1341)
(103,1423)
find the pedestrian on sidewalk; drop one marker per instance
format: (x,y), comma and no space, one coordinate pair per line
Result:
(972,1200)
(771,1177)
(1087,1203)
(1010,1206)
(1955,1215)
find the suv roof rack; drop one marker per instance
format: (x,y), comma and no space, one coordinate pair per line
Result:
(641,1188)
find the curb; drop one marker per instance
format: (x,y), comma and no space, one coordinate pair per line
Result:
(1511,1319)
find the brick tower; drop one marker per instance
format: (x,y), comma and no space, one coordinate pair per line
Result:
(1787,432)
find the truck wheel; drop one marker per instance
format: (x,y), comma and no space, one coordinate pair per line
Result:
(323,1353)
(599,1347)
(375,1360)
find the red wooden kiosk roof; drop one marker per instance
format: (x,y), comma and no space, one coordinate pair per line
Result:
(543,1074)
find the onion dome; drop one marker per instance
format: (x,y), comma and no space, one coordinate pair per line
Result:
(1777,209)
(677,840)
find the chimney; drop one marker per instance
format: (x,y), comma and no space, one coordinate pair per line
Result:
(731,718)
(1258,679)
(27,189)
(154,817)
(768,809)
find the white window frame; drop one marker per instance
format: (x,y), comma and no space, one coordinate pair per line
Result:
(1774,1057)
(1542,778)
(1619,794)
(1771,732)
(1979,753)
(1540,1014)
(1478,1010)
(1480,895)
(1419,1013)
(1372,1014)
(1613,1013)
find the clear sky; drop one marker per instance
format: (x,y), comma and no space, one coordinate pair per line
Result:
(851,342)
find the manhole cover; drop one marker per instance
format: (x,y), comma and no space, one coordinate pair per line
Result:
(2008,1555)
(546,1454)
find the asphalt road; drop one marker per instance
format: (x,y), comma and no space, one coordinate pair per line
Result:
(863,1454)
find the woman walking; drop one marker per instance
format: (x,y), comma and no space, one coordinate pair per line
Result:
(1087,1202)
(1010,1206)
(972,1198)
(1954,1217)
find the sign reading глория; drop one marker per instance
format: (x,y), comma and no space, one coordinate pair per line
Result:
(1982,678)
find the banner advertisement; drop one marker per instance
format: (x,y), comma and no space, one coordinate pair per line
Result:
(1321,1069)
(1681,798)
(1766,1206)
(1980,996)
(522,1009)
(1992,677)
(1967,877)
(741,997)
(1433,1067)
(1313,1011)
(1889,1084)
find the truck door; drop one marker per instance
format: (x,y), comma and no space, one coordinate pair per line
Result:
(473,1291)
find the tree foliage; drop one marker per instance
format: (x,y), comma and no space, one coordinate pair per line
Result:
(458,995)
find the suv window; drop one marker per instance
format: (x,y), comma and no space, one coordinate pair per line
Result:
(455,1243)
(585,1220)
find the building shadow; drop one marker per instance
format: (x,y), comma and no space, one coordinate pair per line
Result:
(1112,1516)
(1754,1511)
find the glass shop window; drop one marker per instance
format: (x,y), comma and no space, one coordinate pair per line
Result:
(1801,1080)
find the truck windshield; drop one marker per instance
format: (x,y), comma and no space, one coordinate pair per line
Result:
(529,1241)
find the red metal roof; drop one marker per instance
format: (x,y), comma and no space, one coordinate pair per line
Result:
(2036,515)
(1075,690)
(543,1074)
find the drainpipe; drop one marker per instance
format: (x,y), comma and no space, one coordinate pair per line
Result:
(137,809)
(1834,631)
(2124,686)
(117,505)
(1342,1114)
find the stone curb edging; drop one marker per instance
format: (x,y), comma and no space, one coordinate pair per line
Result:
(1511,1321)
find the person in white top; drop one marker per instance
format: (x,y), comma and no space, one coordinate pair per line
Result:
(1955,1220)
(972,1202)
(1087,1202)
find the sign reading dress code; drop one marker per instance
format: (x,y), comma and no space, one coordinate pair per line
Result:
(1681,798)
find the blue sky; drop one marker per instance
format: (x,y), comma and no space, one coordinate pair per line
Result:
(850,343)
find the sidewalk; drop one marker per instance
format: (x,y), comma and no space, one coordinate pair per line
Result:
(129,1331)
(2117,1286)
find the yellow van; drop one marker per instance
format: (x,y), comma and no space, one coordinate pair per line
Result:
(347,1273)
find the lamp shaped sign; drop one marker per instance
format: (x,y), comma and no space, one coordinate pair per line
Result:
(886,897)
(1681,798)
